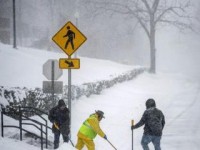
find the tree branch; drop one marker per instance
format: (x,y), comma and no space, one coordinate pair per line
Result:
(178,24)
(155,5)
(147,6)
(143,26)
(162,14)
(145,11)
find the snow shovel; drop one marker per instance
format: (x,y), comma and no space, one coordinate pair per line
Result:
(111,144)
(132,123)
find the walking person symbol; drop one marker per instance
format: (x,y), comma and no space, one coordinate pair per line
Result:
(71,36)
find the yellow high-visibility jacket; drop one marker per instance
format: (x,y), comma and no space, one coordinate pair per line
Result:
(90,128)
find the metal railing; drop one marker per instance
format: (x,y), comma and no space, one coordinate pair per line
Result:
(19,113)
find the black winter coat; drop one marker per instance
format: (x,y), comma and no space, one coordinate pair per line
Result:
(154,122)
(61,118)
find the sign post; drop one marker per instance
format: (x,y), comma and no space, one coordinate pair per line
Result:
(69,39)
(69,92)
(52,80)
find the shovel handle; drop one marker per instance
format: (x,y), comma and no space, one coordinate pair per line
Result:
(111,144)
(57,127)
(132,122)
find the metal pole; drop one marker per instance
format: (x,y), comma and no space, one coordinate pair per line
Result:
(46,135)
(2,125)
(69,96)
(76,53)
(52,78)
(14,26)
(41,137)
(20,123)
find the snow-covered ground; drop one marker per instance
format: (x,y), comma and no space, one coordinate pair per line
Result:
(24,67)
(176,95)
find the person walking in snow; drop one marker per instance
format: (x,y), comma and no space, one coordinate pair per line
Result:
(59,116)
(154,122)
(88,131)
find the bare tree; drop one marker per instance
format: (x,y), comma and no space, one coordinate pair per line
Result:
(149,14)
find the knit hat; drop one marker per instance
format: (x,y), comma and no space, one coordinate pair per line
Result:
(61,103)
(150,103)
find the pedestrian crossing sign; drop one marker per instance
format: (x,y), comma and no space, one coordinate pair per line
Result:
(69,38)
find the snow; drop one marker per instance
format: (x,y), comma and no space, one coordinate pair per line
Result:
(175,94)
(11,144)
(13,61)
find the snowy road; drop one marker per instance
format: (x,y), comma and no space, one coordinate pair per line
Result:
(177,97)
(183,130)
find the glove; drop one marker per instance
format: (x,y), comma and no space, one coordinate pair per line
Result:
(132,127)
(56,125)
(105,137)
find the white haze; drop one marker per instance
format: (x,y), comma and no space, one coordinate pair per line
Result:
(111,37)
(176,95)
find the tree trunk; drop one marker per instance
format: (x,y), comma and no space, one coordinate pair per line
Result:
(152,54)
(152,47)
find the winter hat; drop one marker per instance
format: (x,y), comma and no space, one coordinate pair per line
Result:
(150,103)
(100,113)
(61,103)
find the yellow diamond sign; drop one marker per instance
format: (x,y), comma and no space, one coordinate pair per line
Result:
(69,38)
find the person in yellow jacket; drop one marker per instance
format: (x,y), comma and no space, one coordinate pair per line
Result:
(88,131)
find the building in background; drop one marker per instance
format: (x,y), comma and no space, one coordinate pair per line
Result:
(5,21)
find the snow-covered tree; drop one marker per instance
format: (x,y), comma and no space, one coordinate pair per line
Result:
(149,15)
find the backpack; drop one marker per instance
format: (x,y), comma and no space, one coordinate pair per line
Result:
(155,121)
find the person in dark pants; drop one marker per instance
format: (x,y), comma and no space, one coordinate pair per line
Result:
(59,116)
(154,122)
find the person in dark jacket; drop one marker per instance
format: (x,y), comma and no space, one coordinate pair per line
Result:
(59,116)
(154,122)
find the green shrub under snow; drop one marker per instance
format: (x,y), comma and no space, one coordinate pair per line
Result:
(37,99)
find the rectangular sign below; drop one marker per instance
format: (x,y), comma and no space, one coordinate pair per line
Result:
(65,63)
(58,87)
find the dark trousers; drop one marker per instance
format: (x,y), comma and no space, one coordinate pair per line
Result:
(57,139)
(146,139)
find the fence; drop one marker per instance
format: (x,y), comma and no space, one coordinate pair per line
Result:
(21,114)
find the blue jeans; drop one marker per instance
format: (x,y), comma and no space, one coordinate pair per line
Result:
(146,139)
